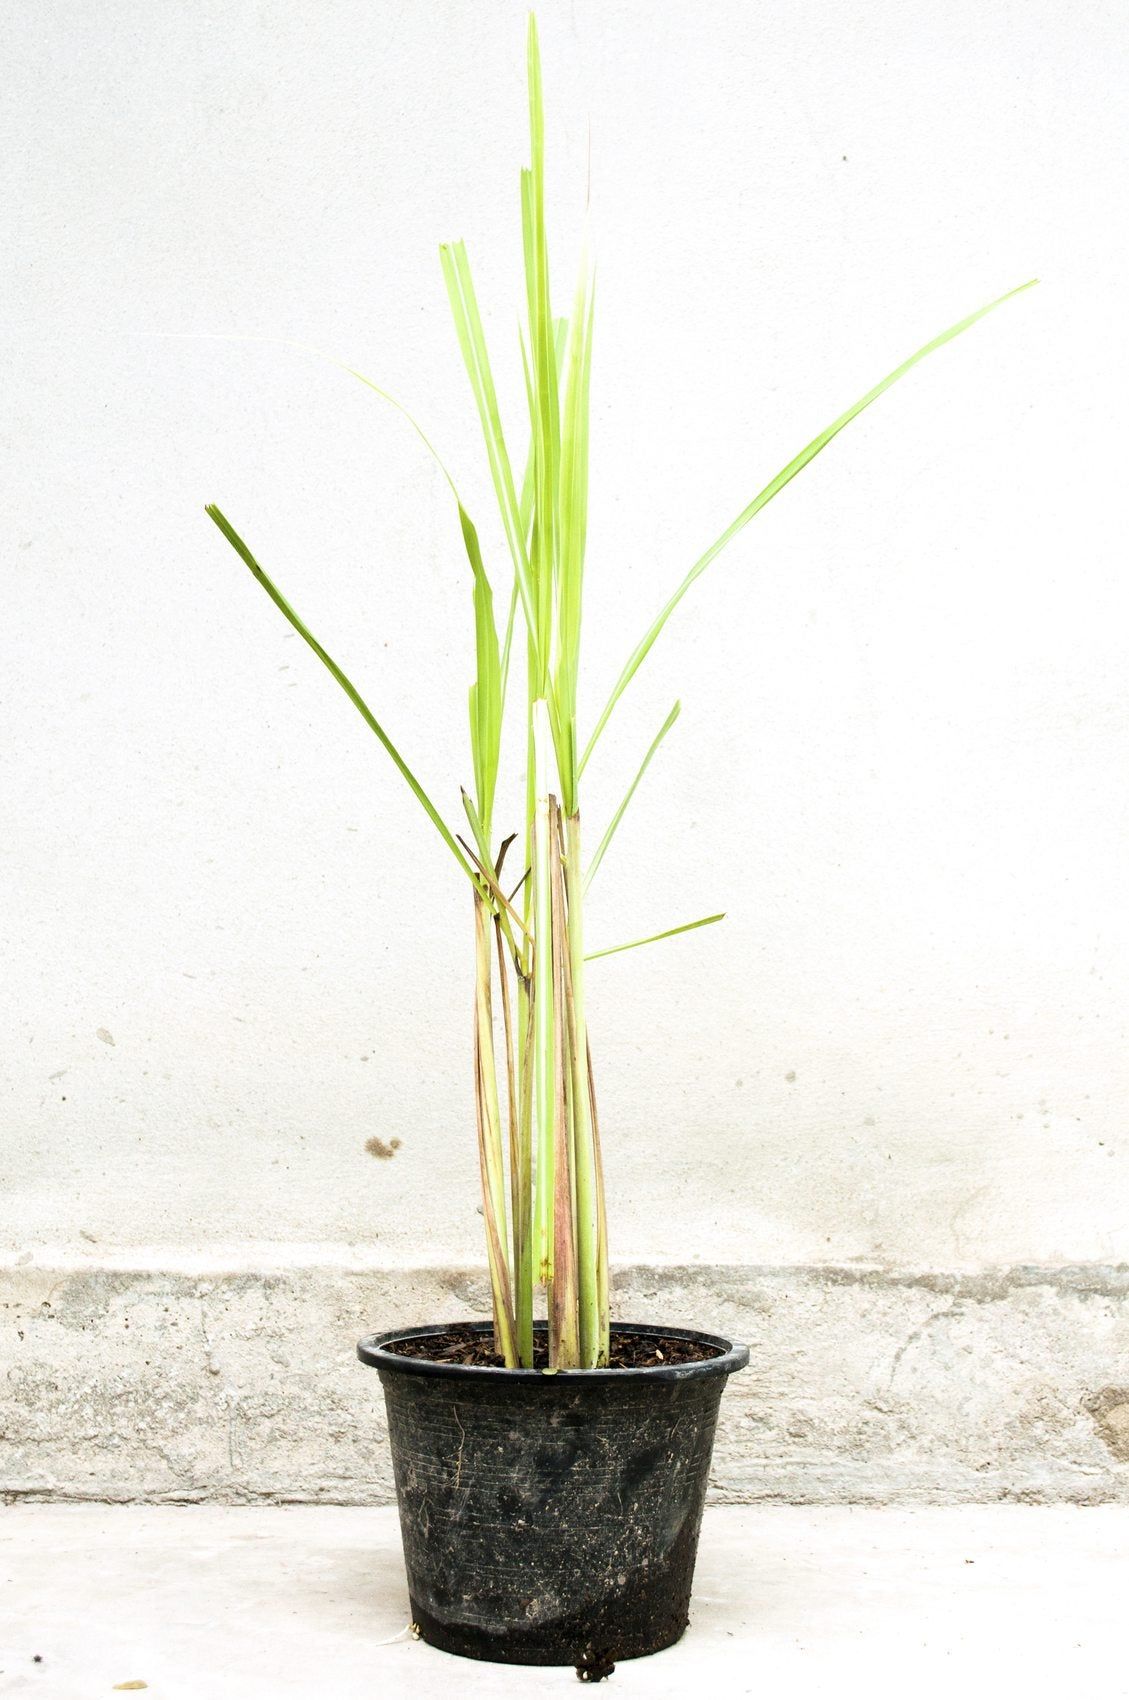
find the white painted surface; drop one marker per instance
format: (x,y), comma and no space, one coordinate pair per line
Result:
(210,1604)
(233,950)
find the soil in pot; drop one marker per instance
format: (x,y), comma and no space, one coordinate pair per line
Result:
(467,1343)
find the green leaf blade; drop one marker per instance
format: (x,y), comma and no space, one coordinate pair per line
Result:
(573,521)
(346,684)
(773,488)
(654,938)
(631,789)
(486,694)
(545,402)
(472,343)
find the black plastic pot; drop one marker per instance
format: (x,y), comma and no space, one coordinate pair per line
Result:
(551,1519)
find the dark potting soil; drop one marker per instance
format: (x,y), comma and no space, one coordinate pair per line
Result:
(463,1344)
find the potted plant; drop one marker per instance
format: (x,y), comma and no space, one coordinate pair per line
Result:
(550,1469)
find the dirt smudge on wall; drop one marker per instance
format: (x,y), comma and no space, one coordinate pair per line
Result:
(380,1148)
(1110,1411)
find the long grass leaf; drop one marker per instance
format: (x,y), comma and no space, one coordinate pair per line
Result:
(472,342)
(542,336)
(346,684)
(486,692)
(653,938)
(631,789)
(319,354)
(525,512)
(488,697)
(773,488)
(573,512)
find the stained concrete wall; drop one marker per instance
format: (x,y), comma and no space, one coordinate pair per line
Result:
(234,953)
(863,1385)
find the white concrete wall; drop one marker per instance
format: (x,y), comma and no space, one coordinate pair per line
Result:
(234,950)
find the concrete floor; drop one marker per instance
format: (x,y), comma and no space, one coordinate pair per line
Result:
(243,1603)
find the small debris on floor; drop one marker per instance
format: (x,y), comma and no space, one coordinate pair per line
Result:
(595,1669)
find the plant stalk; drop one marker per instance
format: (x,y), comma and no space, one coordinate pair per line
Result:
(544,1088)
(589,1182)
(603,1284)
(490,1141)
(564,1321)
(523,1259)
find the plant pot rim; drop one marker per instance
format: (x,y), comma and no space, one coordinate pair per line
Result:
(729,1356)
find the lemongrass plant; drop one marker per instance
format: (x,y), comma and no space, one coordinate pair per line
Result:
(538,1136)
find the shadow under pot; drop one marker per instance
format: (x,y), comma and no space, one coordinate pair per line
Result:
(551,1519)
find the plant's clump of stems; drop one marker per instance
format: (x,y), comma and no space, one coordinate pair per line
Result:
(539,1155)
